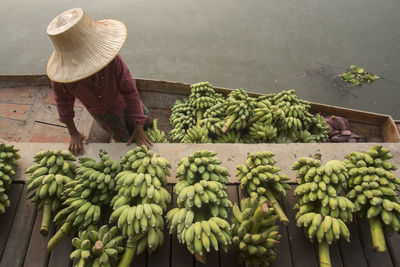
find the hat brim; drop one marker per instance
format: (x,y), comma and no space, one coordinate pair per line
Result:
(82,61)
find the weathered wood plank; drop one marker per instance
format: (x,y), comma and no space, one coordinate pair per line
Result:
(301,248)
(334,252)
(180,256)
(15,250)
(352,252)
(7,219)
(212,260)
(393,243)
(36,254)
(373,258)
(230,259)
(161,257)
(60,254)
(284,257)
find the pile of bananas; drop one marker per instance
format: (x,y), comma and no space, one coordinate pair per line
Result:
(255,233)
(260,176)
(97,247)
(199,221)
(181,119)
(374,190)
(319,129)
(239,110)
(201,98)
(155,135)
(196,134)
(262,124)
(230,136)
(320,209)
(85,196)
(47,181)
(8,161)
(141,201)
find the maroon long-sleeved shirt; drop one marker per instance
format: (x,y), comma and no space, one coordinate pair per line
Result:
(110,89)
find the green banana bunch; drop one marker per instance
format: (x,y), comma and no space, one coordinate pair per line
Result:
(216,111)
(46,182)
(239,110)
(199,221)
(230,136)
(282,139)
(320,209)
(261,176)
(141,201)
(97,247)
(263,132)
(201,98)
(86,195)
(155,135)
(213,125)
(8,161)
(319,129)
(181,119)
(196,134)
(254,232)
(374,190)
(304,136)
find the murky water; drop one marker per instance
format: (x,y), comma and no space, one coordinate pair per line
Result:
(263,46)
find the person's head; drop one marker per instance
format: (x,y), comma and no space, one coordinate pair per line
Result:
(82,46)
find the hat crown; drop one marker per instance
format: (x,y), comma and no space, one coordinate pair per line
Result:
(65,21)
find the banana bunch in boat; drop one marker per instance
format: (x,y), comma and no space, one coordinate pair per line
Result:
(201,98)
(197,134)
(304,136)
(8,161)
(212,125)
(262,124)
(239,110)
(86,195)
(319,129)
(374,190)
(255,233)
(260,175)
(155,135)
(230,136)
(141,201)
(97,247)
(199,221)
(181,119)
(46,182)
(320,209)
(216,111)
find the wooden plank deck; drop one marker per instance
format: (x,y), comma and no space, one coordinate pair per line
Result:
(22,245)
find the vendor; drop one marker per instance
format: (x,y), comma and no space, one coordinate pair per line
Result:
(86,65)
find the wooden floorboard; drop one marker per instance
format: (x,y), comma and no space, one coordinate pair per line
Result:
(7,219)
(60,254)
(352,252)
(374,259)
(230,259)
(302,249)
(15,250)
(36,254)
(393,243)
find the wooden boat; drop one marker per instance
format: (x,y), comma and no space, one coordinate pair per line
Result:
(159,97)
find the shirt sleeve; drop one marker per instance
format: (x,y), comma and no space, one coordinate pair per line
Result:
(65,102)
(129,92)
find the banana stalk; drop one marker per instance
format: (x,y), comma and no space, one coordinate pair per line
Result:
(81,263)
(46,218)
(324,257)
(64,230)
(259,215)
(378,237)
(281,214)
(130,251)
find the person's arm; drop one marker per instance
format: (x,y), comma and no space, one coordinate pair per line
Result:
(65,108)
(133,102)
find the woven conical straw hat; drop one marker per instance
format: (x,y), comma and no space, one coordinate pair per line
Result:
(82,46)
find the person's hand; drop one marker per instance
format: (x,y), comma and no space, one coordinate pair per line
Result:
(76,143)
(140,137)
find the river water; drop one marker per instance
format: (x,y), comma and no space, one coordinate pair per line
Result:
(262,46)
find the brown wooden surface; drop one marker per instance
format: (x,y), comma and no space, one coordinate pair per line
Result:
(24,246)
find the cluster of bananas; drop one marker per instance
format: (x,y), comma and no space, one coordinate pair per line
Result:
(320,209)
(8,161)
(141,201)
(260,176)
(196,134)
(97,247)
(262,124)
(239,110)
(47,181)
(203,205)
(230,136)
(319,129)
(374,189)
(255,233)
(84,197)
(201,98)
(155,135)
(181,119)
